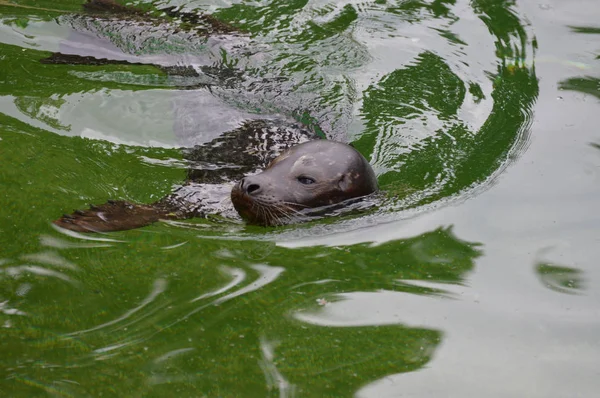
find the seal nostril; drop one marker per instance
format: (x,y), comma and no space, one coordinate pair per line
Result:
(252,188)
(248,186)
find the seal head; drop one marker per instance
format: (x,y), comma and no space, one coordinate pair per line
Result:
(307,176)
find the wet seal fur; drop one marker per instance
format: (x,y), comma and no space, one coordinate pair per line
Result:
(307,176)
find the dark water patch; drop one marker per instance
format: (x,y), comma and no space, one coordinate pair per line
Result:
(586,29)
(587,85)
(560,278)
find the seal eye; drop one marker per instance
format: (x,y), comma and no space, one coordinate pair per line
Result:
(306,180)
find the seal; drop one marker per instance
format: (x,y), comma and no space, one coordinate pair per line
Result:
(310,175)
(284,174)
(283,168)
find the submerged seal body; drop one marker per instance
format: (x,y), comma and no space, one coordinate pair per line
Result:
(307,176)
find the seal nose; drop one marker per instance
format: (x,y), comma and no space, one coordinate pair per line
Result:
(249,186)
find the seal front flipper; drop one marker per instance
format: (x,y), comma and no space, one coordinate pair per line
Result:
(113,216)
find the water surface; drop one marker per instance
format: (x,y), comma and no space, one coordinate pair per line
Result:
(477,275)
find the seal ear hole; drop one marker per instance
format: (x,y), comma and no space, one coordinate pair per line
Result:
(306,180)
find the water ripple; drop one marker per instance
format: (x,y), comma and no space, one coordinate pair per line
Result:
(160,285)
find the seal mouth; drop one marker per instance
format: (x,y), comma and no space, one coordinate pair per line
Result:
(259,212)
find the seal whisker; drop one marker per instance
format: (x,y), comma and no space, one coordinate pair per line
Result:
(295,204)
(272,217)
(263,213)
(276,215)
(287,213)
(291,210)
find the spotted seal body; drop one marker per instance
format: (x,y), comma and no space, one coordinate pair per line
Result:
(301,173)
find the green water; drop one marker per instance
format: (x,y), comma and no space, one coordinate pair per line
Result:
(476,277)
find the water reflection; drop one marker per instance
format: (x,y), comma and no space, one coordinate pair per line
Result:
(200,328)
(427,143)
(559,278)
(420,147)
(586,85)
(438,93)
(159,287)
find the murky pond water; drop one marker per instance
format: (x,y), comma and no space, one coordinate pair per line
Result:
(477,275)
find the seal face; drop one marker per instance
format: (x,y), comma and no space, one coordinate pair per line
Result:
(310,175)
